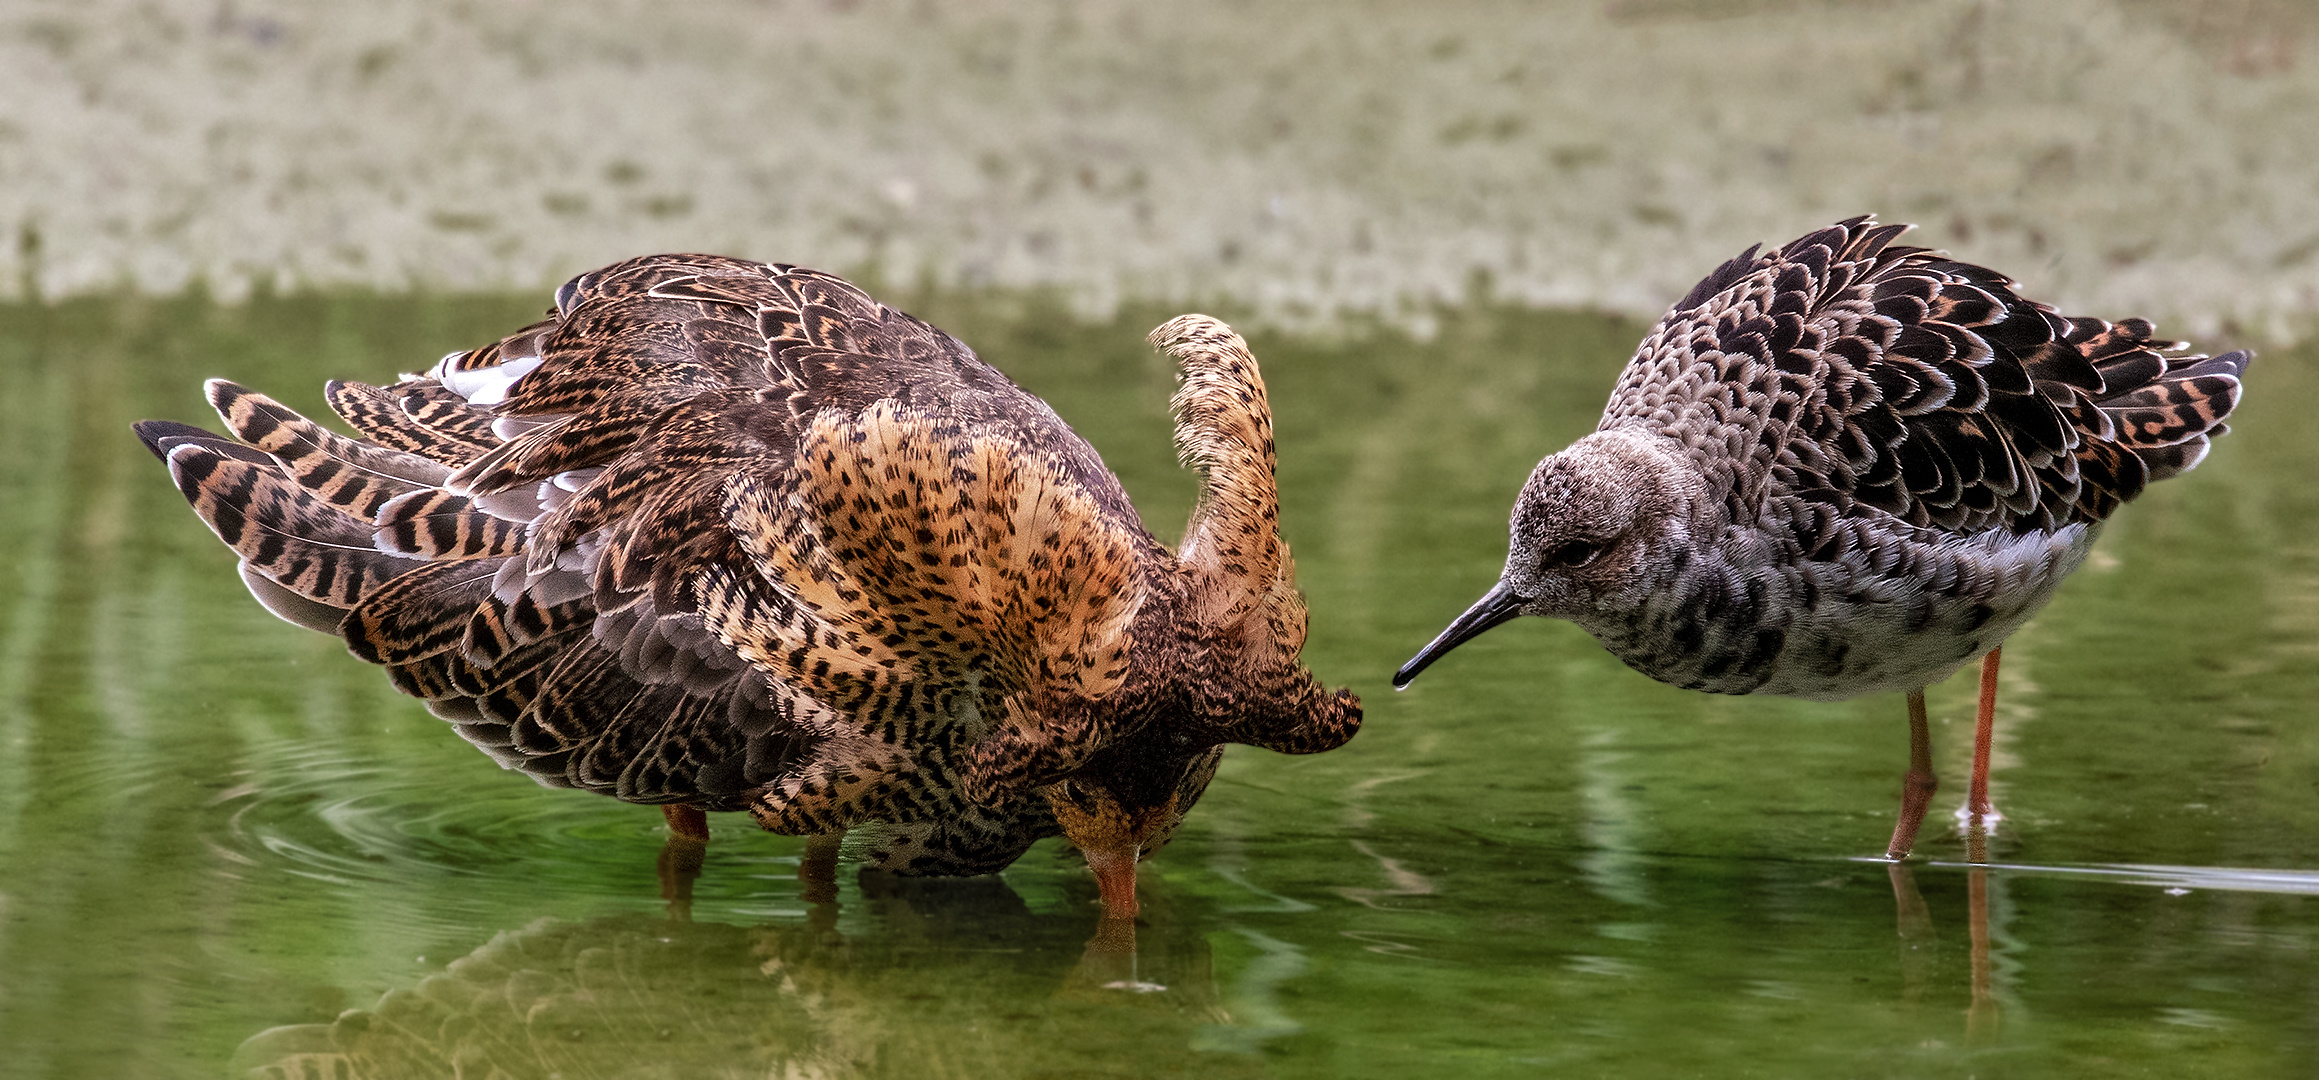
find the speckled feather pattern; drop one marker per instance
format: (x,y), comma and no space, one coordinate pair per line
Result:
(736,535)
(1843,367)
(1844,466)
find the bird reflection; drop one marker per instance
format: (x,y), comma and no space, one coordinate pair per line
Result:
(1919,950)
(952,977)
(1981,1019)
(686,849)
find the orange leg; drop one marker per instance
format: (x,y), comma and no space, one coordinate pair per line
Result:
(1984,733)
(817,870)
(1916,788)
(681,857)
(686,820)
(1978,815)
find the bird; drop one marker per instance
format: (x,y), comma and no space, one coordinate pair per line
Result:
(723,535)
(1846,466)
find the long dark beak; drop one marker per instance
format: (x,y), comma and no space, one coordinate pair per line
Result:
(1496,606)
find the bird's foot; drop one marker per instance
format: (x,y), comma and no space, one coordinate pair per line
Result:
(1984,819)
(686,821)
(1977,826)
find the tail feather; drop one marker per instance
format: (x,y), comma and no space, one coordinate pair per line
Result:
(289,606)
(354,476)
(420,614)
(415,540)
(163,436)
(2169,419)
(292,537)
(434,524)
(608,428)
(419,417)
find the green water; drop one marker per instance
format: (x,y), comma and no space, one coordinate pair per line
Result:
(228,849)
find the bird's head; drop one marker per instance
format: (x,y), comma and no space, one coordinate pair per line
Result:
(1592,531)
(1121,772)
(1126,804)
(1211,659)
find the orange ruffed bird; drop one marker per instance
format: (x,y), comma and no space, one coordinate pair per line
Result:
(720,535)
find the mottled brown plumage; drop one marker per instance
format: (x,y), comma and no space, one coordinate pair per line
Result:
(736,536)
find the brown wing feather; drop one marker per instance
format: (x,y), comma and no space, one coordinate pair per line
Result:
(293,538)
(417,416)
(354,476)
(549,539)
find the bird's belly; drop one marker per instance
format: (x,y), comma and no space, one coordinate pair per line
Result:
(1833,630)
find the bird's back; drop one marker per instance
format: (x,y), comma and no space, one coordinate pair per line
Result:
(1841,375)
(715,532)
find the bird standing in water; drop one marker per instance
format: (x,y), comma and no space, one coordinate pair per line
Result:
(722,535)
(1844,466)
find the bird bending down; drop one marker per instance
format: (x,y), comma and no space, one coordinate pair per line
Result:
(722,535)
(1844,466)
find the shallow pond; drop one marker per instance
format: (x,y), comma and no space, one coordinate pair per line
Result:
(226,848)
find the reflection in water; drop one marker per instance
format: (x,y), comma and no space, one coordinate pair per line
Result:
(2175,880)
(956,979)
(1259,1016)
(1920,943)
(1399,880)
(1981,1020)
(678,867)
(1611,821)
(1998,967)
(210,824)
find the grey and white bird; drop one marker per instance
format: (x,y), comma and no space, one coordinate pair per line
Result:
(1845,466)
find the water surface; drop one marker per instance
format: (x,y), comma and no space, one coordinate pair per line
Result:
(226,848)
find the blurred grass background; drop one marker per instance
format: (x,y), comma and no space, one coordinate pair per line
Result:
(1294,161)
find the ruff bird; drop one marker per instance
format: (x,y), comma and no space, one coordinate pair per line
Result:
(721,535)
(1845,466)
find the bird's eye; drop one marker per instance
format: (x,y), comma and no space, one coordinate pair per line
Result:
(1078,795)
(1572,553)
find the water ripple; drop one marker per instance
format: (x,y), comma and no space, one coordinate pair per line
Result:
(316,813)
(2191,878)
